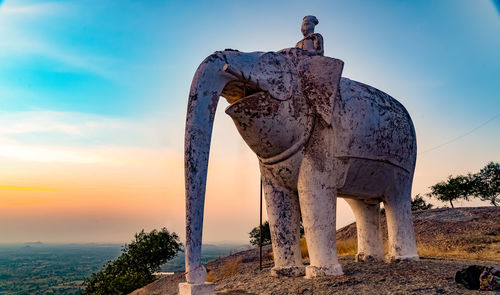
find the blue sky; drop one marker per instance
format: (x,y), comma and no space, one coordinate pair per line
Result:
(129,58)
(107,81)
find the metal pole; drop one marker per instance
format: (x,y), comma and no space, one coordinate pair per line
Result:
(260,228)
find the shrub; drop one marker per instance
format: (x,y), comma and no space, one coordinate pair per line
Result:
(418,203)
(486,183)
(266,235)
(452,189)
(134,268)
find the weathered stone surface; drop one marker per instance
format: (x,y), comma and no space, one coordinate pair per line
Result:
(271,127)
(319,77)
(197,275)
(321,271)
(317,137)
(370,124)
(196,289)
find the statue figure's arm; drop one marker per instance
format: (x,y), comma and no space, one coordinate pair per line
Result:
(300,44)
(318,44)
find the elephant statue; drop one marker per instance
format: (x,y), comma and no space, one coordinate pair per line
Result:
(317,137)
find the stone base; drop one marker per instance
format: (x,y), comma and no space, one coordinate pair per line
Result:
(196,289)
(407,258)
(321,271)
(361,257)
(287,271)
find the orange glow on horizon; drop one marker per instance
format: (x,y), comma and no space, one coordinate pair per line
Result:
(24,188)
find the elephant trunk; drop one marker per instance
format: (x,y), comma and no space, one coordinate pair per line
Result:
(208,83)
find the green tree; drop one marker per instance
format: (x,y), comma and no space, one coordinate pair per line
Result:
(452,189)
(418,203)
(135,266)
(266,234)
(255,235)
(486,183)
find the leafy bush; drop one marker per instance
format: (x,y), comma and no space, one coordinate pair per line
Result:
(418,203)
(266,235)
(134,268)
(486,183)
(452,189)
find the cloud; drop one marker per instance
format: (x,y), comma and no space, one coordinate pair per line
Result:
(32,122)
(106,154)
(21,42)
(74,128)
(35,9)
(47,154)
(23,36)
(71,137)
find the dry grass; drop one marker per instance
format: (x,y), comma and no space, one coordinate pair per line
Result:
(344,248)
(347,247)
(211,276)
(303,248)
(478,249)
(228,269)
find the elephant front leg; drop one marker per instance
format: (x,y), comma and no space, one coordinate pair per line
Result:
(284,223)
(318,202)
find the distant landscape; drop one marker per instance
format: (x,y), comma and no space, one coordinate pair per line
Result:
(37,268)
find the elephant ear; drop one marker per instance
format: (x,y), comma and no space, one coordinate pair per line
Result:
(320,78)
(275,74)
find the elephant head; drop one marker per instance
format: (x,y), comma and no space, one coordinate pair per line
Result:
(275,100)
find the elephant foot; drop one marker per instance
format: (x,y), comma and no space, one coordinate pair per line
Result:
(406,258)
(287,271)
(321,271)
(196,289)
(362,257)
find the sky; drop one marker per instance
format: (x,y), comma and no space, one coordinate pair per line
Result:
(93,98)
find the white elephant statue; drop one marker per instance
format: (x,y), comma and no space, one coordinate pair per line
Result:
(317,137)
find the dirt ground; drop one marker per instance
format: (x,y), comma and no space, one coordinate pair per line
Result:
(427,276)
(471,232)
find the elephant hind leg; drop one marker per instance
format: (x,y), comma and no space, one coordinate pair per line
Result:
(401,236)
(370,245)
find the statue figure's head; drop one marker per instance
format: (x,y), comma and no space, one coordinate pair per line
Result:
(308,24)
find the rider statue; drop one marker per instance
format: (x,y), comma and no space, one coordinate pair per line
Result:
(312,42)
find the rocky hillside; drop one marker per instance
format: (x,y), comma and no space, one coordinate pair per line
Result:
(472,232)
(444,236)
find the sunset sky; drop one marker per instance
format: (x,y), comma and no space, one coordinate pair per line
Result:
(93,98)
